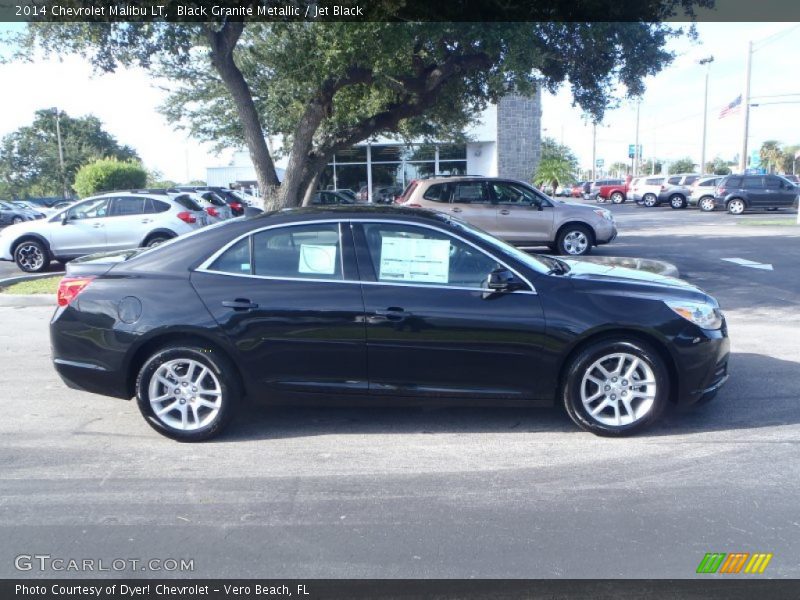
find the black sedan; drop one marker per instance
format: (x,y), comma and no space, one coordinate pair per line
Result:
(379,304)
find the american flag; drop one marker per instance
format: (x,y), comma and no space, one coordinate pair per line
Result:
(731,108)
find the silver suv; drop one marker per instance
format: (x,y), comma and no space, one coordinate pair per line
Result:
(112,221)
(515,211)
(677,189)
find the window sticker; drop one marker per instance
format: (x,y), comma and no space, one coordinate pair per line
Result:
(318,259)
(414,260)
(245,267)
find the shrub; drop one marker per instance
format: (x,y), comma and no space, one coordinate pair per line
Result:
(109,174)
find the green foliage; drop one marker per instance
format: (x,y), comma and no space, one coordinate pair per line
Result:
(771,155)
(620,169)
(718,166)
(155,179)
(29,161)
(109,174)
(646,168)
(554,171)
(682,165)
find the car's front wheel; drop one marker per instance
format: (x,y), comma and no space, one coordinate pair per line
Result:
(31,256)
(649,200)
(574,240)
(736,206)
(677,201)
(17,220)
(187,392)
(706,204)
(616,387)
(617,197)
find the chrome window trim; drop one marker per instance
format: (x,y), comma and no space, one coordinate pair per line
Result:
(204,266)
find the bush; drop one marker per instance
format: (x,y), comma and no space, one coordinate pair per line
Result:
(109,174)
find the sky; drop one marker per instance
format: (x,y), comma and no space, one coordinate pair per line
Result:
(670,123)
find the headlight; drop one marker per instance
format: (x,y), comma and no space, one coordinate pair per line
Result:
(606,214)
(701,314)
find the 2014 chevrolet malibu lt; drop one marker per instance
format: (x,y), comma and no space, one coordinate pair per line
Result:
(377,305)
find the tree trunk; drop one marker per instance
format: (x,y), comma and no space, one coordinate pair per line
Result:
(222,43)
(299,169)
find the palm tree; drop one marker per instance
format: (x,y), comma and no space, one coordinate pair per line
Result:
(554,171)
(771,155)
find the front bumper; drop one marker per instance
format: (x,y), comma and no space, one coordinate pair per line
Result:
(702,363)
(605,232)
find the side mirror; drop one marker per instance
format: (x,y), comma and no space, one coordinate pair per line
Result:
(503,280)
(65,217)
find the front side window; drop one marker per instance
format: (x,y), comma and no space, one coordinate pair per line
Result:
(773,183)
(302,251)
(92,209)
(508,193)
(409,254)
(752,183)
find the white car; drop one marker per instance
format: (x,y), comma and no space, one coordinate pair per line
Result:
(649,190)
(104,223)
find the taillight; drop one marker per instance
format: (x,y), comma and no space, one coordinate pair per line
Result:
(236,206)
(70,287)
(212,211)
(721,191)
(414,205)
(187,217)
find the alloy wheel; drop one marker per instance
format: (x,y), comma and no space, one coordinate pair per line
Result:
(575,242)
(17,220)
(618,389)
(649,200)
(185,394)
(30,257)
(707,204)
(736,207)
(617,198)
(676,202)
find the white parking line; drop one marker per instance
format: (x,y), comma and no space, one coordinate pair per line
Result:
(743,262)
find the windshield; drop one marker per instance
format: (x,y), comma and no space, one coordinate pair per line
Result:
(541,264)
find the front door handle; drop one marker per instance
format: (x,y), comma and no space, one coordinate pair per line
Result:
(239,304)
(455,209)
(505,211)
(393,313)
(97,225)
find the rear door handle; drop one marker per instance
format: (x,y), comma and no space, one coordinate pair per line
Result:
(97,225)
(239,304)
(393,313)
(456,209)
(505,211)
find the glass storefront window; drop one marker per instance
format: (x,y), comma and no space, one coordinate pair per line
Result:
(453,152)
(351,155)
(452,167)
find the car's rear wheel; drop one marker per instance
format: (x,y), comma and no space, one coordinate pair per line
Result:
(187,393)
(677,201)
(156,240)
(649,200)
(706,204)
(616,387)
(17,220)
(617,197)
(736,206)
(574,240)
(31,256)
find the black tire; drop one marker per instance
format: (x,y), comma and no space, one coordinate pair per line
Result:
(677,201)
(574,240)
(736,206)
(32,256)
(582,363)
(617,198)
(157,239)
(17,220)
(217,364)
(706,203)
(649,200)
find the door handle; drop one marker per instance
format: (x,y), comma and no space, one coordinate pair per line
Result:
(147,220)
(393,313)
(455,209)
(97,225)
(505,211)
(239,304)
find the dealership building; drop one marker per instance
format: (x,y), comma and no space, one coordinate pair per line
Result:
(505,142)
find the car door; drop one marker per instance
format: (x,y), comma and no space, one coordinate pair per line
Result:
(756,193)
(289,299)
(127,224)
(82,229)
(432,327)
(778,194)
(470,200)
(521,214)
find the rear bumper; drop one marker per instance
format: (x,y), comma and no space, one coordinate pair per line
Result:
(88,377)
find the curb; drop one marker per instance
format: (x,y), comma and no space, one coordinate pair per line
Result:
(26,300)
(658,267)
(19,278)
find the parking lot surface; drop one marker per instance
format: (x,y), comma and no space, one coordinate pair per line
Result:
(457,492)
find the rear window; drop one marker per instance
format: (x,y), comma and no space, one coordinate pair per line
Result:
(655,181)
(187,203)
(437,192)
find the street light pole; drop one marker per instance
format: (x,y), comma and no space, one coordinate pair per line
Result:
(707,62)
(636,143)
(746,108)
(594,151)
(61,156)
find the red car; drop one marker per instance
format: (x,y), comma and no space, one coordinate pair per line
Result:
(617,192)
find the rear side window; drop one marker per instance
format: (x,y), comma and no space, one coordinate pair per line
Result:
(753,183)
(125,206)
(708,183)
(437,193)
(691,179)
(153,206)
(673,180)
(235,259)
(299,252)
(213,199)
(187,203)
(734,182)
(472,192)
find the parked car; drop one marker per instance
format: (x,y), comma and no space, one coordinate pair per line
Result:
(327,197)
(388,304)
(576,191)
(738,193)
(37,211)
(677,189)
(594,187)
(349,193)
(616,192)
(702,194)
(516,212)
(10,214)
(112,221)
(230,197)
(650,191)
(216,208)
(385,195)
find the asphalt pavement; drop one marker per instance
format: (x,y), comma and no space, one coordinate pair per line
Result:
(324,492)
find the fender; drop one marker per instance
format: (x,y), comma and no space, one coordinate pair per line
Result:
(159,231)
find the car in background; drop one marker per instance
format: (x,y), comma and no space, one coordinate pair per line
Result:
(650,189)
(738,193)
(112,221)
(349,193)
(516,212)
(576,191)
(386,195)
(594,186)
(616,192)
(37,211)
(329,197)
(216,208)
(229,196)
(702,194)
(10,214)
(677,189)
(792,177)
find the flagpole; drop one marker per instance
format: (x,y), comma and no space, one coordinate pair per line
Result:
(746,108)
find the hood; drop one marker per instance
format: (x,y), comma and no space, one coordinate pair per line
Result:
(587,271)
